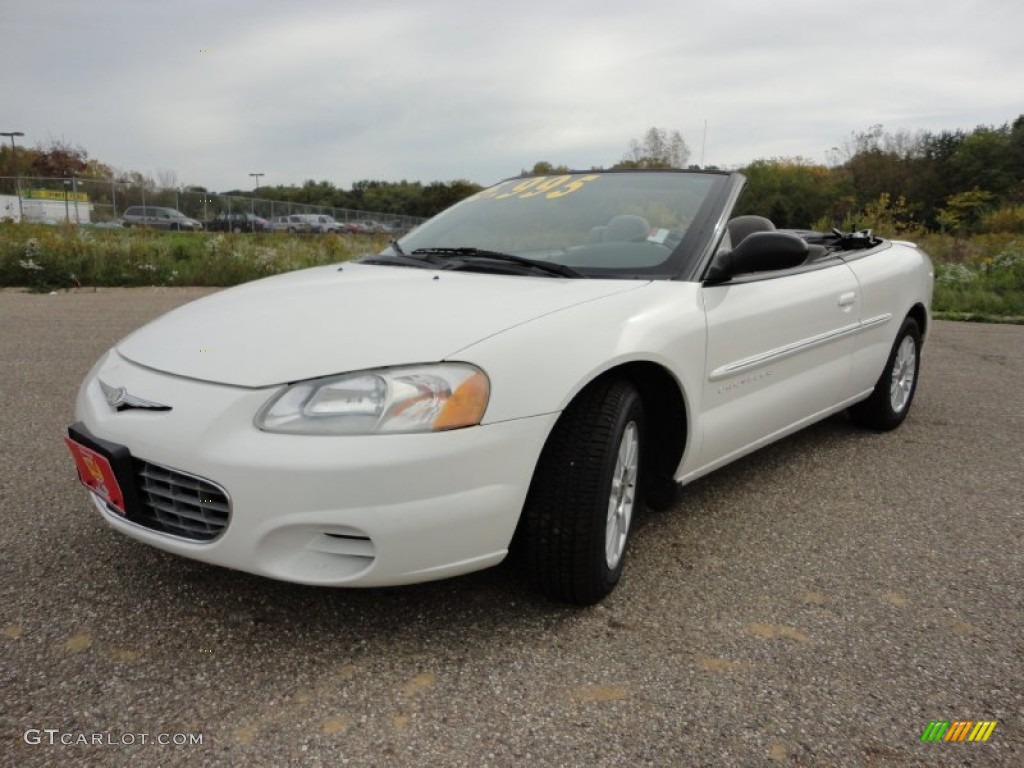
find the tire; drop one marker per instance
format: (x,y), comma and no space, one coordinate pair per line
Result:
(893,394)
(585,491)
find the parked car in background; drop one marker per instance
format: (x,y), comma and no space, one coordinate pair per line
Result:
(545,359)
(158,217)
(238,222)
(292,223)
(360,227)
(321,223)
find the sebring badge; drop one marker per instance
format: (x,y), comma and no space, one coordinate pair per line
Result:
(119,399)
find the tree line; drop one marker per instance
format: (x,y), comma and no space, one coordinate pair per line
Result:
(405,198)
(62,159)
(960,181)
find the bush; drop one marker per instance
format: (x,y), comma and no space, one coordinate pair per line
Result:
(990,286)
(1008,218)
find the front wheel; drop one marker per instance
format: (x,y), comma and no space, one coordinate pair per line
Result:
(890,400)
(579,510)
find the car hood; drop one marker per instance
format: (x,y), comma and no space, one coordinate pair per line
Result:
(328,320)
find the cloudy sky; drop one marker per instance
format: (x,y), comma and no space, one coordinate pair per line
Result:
(446,89)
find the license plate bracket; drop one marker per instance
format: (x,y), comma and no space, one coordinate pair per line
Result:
(105,468)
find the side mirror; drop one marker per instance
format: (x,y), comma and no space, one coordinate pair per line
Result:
(759,252)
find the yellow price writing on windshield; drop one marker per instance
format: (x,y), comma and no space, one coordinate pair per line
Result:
(550,187)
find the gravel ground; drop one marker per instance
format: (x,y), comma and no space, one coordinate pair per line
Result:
(815,604)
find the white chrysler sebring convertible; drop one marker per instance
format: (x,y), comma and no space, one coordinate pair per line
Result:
(521,373)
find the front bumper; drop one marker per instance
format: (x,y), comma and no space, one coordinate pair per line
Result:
(336,511)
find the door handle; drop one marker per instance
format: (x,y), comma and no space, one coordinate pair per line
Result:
(846,299)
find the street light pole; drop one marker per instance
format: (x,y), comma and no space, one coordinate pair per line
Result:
(17,176)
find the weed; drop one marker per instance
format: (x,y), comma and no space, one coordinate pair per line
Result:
(43,257)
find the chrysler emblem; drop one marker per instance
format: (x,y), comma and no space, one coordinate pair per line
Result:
(119,399)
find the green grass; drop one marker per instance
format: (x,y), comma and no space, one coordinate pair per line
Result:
(45,258)
(981,278)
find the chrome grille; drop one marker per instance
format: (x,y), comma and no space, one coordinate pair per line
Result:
(180,504)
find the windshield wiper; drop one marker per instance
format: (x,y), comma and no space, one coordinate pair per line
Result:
(401,258)
(479,253)
(395,261)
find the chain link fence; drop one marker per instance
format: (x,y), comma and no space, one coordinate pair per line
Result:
(98,201)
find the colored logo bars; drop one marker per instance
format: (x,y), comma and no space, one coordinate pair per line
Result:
(959,730)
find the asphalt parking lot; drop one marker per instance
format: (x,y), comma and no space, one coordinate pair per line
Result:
(816,604)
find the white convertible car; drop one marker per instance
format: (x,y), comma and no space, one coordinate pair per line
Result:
(521,373)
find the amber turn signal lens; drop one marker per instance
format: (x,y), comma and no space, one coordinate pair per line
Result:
(466,405)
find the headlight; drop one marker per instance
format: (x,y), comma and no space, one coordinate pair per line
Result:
(422,398)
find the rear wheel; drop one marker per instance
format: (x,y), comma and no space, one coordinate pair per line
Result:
(579,511)
(890,400)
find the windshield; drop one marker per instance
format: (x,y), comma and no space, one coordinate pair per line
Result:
(616,224)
